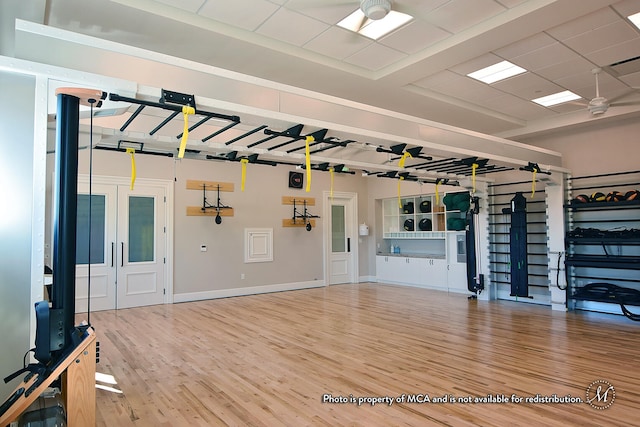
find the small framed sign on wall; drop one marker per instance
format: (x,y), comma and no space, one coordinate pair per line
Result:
(295,179)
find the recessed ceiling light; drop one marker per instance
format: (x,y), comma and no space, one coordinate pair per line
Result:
(556,98)
(360,24)
(635,19)
(497,72)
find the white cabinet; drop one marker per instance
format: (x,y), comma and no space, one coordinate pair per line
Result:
(456,262)
(436,273)
(428,235)
(413,271)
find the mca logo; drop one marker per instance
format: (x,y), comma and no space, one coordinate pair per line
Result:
(600,394)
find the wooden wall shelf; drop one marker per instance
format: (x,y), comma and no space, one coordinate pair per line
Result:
(193,184)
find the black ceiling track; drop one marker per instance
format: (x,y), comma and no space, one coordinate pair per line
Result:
(175,102)
(170,101)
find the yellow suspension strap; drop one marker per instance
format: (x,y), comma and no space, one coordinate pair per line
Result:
(243,162)
(404,159)
(534,169)
(399,201)
(331,172)
(132,151)
(307,155)
(186,111)
(401,162)
(533,182)
(438,181)
(473,175)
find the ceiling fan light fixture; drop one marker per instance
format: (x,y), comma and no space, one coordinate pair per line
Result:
(375,9)
(598,105)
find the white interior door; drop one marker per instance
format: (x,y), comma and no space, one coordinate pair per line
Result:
(140,243)
(128,246)
(342,241)
(102,249)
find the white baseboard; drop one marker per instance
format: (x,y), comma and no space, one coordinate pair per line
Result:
(252,290)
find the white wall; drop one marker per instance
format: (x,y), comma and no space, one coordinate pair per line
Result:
(17,93)
(298,254)
(599,148)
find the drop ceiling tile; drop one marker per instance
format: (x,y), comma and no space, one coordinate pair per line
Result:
(584,24)
(570,107)
(523,46)
(632,80)
(613,54)
(544,57)
(375,57)
(527,86)
(245,14)
(516,107)
(627,7)
(468,89)
(575,64)
(188,5)
(458,15)
(327,13)
(414,37)
(584,84)
(436,80)
(510,3)
(602,37)
(338,43)
(291,27)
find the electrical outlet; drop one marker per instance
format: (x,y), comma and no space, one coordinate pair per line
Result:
(241,276)
(203,248)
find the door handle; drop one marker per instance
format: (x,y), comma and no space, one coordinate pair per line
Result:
(121,254)
(348,244)
(112,252)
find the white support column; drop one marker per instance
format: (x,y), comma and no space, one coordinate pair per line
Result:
(555,244)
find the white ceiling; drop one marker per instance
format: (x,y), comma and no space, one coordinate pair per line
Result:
(419,69)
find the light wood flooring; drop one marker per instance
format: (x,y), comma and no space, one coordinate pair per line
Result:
(269,360)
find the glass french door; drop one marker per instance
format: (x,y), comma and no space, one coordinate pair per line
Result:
(122,247)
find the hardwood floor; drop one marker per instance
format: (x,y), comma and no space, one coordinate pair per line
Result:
(279,359)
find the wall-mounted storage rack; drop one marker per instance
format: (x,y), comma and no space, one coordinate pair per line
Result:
(603,242)
(207,209)
(300,218)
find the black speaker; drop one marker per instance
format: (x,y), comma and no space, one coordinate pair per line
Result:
(295,179)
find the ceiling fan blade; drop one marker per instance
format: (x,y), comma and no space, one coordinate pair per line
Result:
(625,104)
(626,94)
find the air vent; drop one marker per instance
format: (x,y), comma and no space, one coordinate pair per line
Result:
(623,68)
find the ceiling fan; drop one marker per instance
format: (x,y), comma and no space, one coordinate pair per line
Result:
(372,10)
(599,105)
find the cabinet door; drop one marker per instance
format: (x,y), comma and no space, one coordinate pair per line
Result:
(456,262)
(436,273)
(384,270)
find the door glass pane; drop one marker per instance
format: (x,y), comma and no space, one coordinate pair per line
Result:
(97,229)
(141,228)
(338,240)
